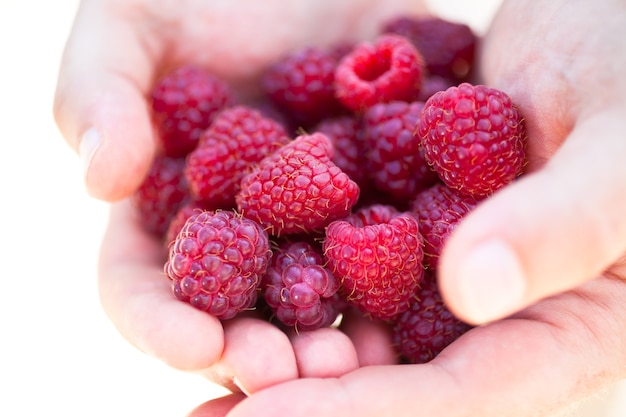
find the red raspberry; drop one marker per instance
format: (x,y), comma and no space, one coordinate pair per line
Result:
(177,222)
(439,209)
(474,138)
(346,134)
(388,69)
(238,137)
(299,289)
(395,159)
(433,84)
(377,255)
(217,261)
(302,84)
(427,327)
(448,48)
(184,103)
(161,194)
(297,189)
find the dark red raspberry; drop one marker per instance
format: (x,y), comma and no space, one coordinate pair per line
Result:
(302,84)
(217,261)
(238,137)
(162,193)
(297,189)
(377,255)
(387,70)
(346,134)
(433,84)
(474,137)
(301,292)
(439,210)
(448,48)
(427,327)
(395,159)
(184,103)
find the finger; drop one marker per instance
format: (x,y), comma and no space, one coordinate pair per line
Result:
(324,353)
(100,104)
(137,297)
(257,354)
(531,365)
(218,407)
(550,231)
(371,339)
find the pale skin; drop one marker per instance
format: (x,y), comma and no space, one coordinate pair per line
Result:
(545,343)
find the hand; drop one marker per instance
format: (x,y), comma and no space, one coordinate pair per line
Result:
(116,50)
(564,338)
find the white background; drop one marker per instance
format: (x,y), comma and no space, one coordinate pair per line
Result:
(59,355)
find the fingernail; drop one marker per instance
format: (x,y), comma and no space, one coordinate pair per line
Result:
(491,281)
(89,143)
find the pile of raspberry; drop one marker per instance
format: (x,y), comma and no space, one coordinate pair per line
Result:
(337,189)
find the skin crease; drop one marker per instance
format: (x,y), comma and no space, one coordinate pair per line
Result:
(563,342)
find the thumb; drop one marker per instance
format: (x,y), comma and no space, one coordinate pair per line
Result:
(549,232)
(99,104)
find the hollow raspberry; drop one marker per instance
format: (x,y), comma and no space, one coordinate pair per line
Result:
(427,327)
(301,84)
(376,253)
(439,209)
(238,137)
(216,262)
(386,70)
(184,103)
(474,137)
(448,48)
(301,292)
(297,189)
(161,194)
(395,159)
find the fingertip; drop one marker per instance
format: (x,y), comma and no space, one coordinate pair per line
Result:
(324,353)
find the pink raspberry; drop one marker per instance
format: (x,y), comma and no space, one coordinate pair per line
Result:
(302,84)
(377,255)
(161,194)
(474,138)
(299,289)
(395,159)
(177,222)
(448,48)
(439,209)
(427,327)
(237,138)
(184,103)
(217,261)
(297,189)
(389,69)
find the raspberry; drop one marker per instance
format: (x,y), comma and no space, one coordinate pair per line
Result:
(377,255)
(346,134)
(184,103)
(388,69)
(474,138)
(394,155)
(299,289)
(439,209)
(217,261)
(302,84)
(297,189)
(180,218)
(433,84)
(238,137)
(161,194)
(448,48)
(427,327)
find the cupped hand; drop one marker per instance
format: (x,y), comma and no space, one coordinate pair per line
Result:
(540,266)
(116,50)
